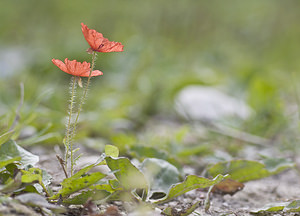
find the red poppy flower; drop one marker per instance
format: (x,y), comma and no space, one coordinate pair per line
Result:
(98,42)
(76,68)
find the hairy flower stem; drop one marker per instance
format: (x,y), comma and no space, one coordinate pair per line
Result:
(69,134)
(79,110)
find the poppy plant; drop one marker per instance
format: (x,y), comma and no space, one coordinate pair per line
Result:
(76,68)
(99,43)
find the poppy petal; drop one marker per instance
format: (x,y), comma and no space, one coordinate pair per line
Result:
(94,38)
(98,42)
(60,64)
(112,47)
(94,73)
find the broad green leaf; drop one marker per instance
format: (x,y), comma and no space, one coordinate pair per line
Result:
(106,187)
(293,206)
(271,207)
(128,175)
(111,151)
(95,192)
(246,170)
(36,175)
(276,165)
(11,150)
(80,173)
(32,175)
(11,168)
(9,161)
(6,136)
(190,183)
(160,174)
(72,185)
(79,199)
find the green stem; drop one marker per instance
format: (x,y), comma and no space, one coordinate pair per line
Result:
(80,107)
(68,144)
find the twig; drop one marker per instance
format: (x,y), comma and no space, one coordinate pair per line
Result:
(62,164)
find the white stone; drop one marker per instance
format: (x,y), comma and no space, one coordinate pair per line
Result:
(197,102)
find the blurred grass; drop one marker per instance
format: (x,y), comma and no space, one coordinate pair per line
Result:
(251,47)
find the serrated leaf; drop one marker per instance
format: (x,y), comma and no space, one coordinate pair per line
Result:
(111,151)
(72,185)
(11,150)
(190,183)
(160,174)
(128,175)
(246,170)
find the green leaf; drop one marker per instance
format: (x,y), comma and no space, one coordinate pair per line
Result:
(79,199)
(128,175)
(190,183)
(12,184)
(276,165)
(9,161)
(6,136)
(32,175)
(72,184)
(160,174)
(271,207)
(85,195)
(80,173)
(246,170)
(106,187)
(95,192)
(38,176)
(11,150)
(111,151)
(293,206)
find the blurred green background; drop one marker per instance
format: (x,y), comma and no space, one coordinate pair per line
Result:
(251,48)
